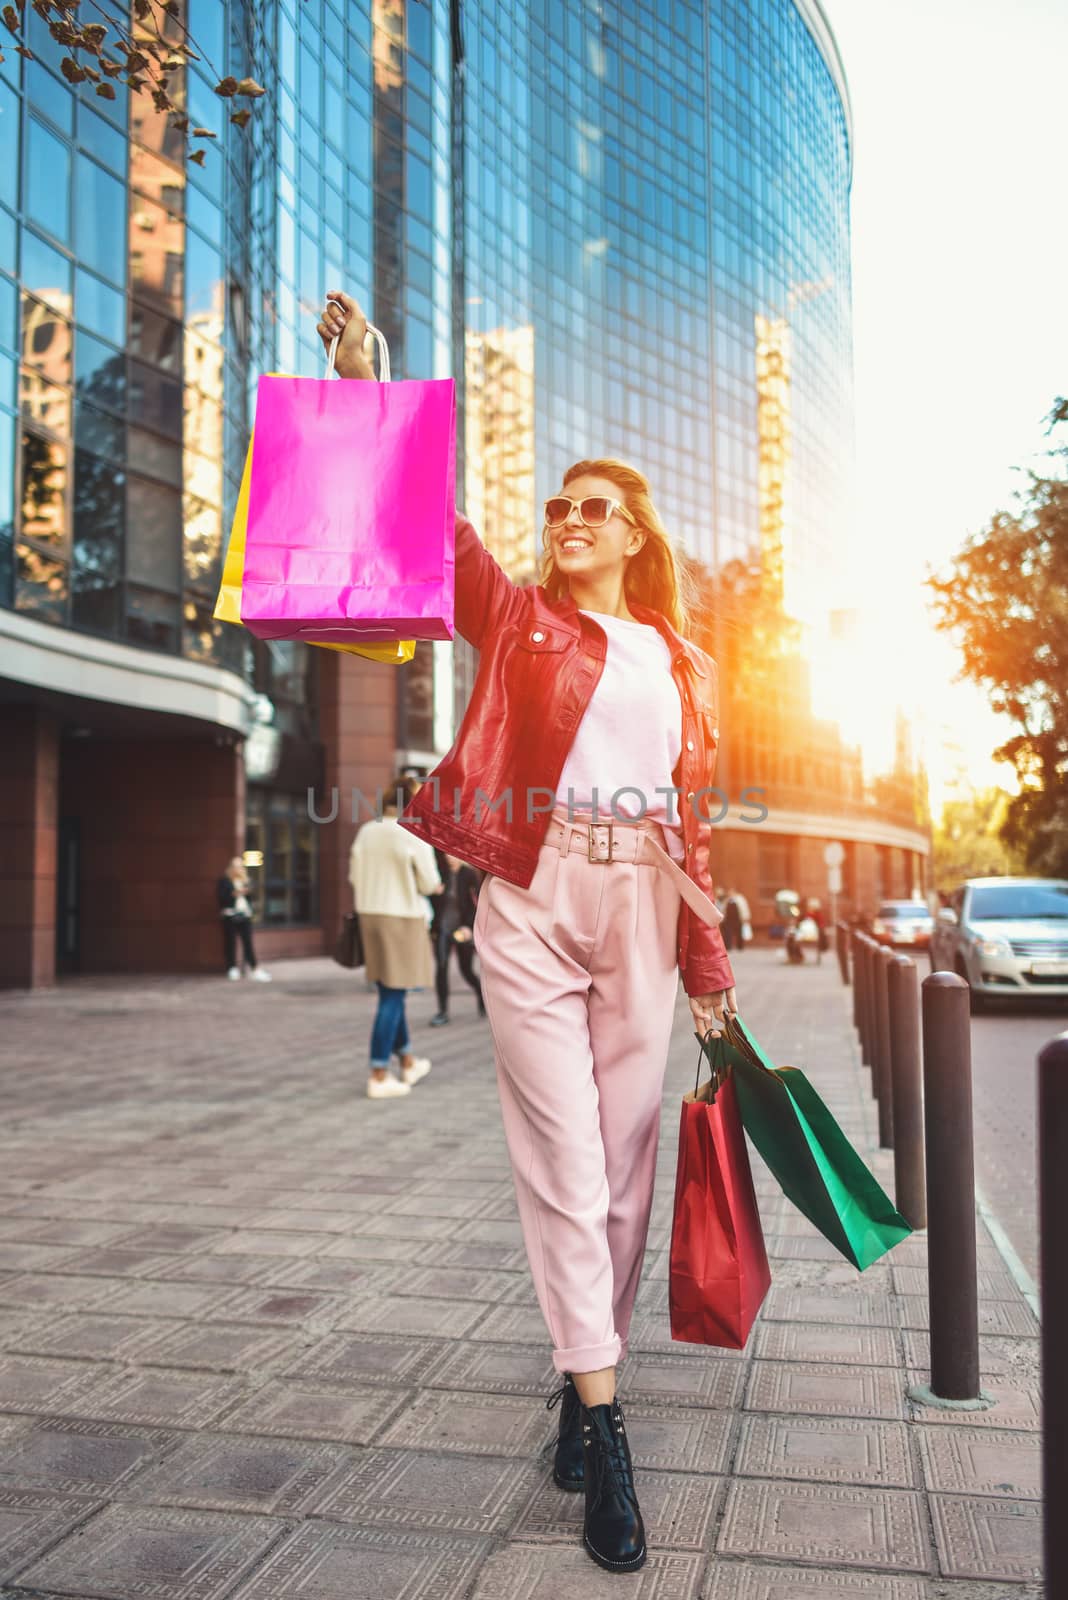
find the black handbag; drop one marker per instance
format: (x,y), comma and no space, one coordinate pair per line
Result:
(348,951)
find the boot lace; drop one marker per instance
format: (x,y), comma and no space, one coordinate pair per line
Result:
(556,1396)
(614,1453)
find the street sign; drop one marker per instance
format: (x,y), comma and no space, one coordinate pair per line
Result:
(834,880)
(834,854)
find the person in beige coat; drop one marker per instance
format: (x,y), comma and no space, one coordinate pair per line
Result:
(390,871)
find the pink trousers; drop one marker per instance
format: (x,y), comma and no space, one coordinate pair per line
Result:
(579,977)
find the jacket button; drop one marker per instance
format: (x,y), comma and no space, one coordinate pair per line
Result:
(689,744)
(690,795)
(715,733)
(689,847)
(536,638)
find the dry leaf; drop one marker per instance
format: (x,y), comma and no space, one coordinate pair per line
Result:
(94,33)
(197,157)
(106,91)
(112,68)
(72,71)
(242,118)
(180,122)
(21,50)
(249,87)
(203,133)
(226,87)
(11,19)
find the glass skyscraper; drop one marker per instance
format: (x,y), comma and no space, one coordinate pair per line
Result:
(623,228)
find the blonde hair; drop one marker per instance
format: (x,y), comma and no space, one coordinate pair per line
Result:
(653,577)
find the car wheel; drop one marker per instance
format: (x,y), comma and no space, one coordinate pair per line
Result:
(976,1001)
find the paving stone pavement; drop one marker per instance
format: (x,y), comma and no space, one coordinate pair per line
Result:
(264,1339)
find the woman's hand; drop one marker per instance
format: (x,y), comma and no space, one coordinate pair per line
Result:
(346,322)
(708,1011)
(462,935)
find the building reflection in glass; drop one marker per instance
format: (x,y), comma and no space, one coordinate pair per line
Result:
(499,444)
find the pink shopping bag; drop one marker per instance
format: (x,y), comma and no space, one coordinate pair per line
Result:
(351,522)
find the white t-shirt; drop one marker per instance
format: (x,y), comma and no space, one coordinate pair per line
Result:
(630,736)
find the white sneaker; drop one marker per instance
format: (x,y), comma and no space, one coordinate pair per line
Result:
(385,1088)
(234,974)
(418,1069)
(261,976)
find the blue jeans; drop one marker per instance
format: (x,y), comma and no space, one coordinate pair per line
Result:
(390,1031)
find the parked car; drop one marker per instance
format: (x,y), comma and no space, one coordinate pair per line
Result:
(1005,936)
(903,922)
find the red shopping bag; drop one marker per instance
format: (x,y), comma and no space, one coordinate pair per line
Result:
(719,1270)
(351,510)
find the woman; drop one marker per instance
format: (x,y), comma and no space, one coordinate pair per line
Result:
(235,908)
(454,917)
(589,700)
(389,871)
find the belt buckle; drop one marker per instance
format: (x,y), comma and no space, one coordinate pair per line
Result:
(592,845)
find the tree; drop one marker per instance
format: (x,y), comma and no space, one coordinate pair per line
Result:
(968,841)
(150,56)
(1005,601)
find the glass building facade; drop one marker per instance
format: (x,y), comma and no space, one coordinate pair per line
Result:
(623,228)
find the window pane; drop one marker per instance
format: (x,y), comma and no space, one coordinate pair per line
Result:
(96,431)
(40,585)
(160,458)
(96,567)
(53,98)
(8,238)
(158,339)
(157,180)
(45,272)
(153,534)
(152,619)
(46,340)
(99,307)
(48,180)
(44,488)
(156,400)
(99,372)
(9,142)
(101,220)
(45,404)
(105,142)
(8,305)
(204,278)
(202,542)
(157,256)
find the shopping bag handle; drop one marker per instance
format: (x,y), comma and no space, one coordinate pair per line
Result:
(718,1063)
(380,340)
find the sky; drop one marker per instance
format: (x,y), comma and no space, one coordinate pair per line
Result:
(960,249)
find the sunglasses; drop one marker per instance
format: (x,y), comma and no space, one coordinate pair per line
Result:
(594,511)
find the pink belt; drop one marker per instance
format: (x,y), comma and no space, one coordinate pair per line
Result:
(606,842)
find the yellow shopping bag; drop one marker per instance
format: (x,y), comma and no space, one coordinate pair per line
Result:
(228,605)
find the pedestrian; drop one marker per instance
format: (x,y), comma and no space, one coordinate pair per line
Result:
(235,908)
(590,701)
(454,916)
(390,870)
(746,916)
(732,922)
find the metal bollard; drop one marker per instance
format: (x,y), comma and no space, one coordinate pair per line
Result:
(951,1251)
(1053,1207)
(869,950)
(903,995)
(841,936)
(885,1090)
(862,979)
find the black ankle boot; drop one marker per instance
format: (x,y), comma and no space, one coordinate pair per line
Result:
(613,1531)
(568,1465)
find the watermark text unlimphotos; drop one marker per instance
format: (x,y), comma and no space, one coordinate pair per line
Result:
(540,801)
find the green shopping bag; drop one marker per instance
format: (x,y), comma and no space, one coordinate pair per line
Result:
(809,1154)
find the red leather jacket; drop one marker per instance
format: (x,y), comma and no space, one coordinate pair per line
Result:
(540,661)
